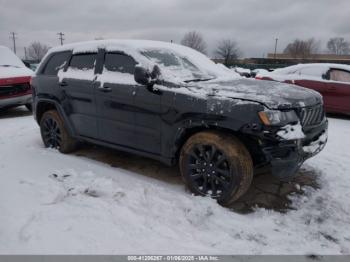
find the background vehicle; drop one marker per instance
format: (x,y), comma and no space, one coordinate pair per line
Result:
(15,78)
(173,104)
(331,80)
(258,71)
(243,71)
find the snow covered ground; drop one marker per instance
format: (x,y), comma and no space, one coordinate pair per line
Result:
(68,204)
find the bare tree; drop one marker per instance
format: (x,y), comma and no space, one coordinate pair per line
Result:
(228,51)
(194,40)
(37,50)
(302,48)
(338,46)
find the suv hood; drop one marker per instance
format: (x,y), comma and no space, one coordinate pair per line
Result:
(274,95)
(13,71)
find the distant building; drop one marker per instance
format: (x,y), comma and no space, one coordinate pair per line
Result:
(316,58)
(283,60)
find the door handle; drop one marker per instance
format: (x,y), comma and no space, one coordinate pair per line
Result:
(105,89)
(63,83)
(331,88)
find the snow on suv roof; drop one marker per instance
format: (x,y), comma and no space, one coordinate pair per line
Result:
(93,46)
(135,48)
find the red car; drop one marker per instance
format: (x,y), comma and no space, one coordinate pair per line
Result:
(331,80)
(15,89)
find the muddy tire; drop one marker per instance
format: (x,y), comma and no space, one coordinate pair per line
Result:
(218,165)
(54,133)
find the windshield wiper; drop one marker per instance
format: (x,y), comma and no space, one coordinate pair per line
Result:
(198,80)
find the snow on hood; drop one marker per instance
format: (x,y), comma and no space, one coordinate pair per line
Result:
(11,65)
(274,95)
(8,72)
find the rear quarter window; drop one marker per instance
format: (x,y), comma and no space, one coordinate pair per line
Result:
(56,62)
(340,75)
(313,71)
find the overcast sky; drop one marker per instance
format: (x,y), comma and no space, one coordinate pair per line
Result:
(253,24)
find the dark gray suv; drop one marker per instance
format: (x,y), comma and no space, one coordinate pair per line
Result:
(171,103)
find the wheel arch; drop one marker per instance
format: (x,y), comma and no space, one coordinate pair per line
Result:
(250,143)
(44,105)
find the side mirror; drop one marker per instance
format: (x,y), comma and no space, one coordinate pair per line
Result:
(144,77)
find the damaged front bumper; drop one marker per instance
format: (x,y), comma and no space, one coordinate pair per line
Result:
(287,155)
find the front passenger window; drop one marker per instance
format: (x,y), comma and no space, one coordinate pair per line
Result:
(56,63)
(121,63)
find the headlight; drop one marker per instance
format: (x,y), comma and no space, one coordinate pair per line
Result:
(277,118)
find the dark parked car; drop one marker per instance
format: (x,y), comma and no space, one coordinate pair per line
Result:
(331,80)
(14,81)
(171,103)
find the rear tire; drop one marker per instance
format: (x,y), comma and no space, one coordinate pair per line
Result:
(218,165)
(54,133)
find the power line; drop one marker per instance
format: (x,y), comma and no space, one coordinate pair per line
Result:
(60,37)
(13,36)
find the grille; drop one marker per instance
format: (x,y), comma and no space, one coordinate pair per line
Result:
(15,89)
(310,116)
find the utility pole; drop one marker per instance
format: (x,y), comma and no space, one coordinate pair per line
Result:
(13,37)
(60,37)
(276,48)
(25,53)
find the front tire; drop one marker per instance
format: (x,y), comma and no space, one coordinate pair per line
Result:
(54,133)
(218,165)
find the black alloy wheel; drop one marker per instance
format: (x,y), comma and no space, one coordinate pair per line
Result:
(54,133)
(51,133)
(209,170)
(216,164)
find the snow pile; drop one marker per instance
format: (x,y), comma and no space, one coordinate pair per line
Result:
(317,145)
(66,204)
(75,73)
(291,132)
(116,77)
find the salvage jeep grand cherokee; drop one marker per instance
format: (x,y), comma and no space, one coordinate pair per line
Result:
(171,103)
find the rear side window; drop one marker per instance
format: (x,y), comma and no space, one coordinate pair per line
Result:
(56,62)
(120,63)
(340,75)
(313,71)
(83,61)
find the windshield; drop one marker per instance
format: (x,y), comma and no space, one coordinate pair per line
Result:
(180,66)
